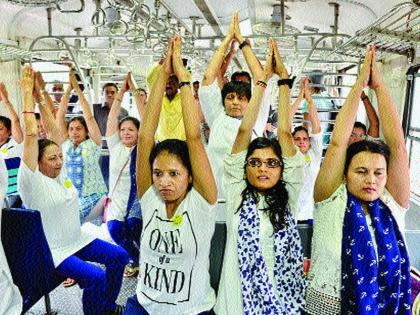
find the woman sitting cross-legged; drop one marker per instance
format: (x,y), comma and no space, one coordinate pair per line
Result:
(177,190)
(44,186)
(263,263)
(359,259)
(123,213)
(81,142)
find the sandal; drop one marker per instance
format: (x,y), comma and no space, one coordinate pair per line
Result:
(119,310)
(131,270)
(69,282)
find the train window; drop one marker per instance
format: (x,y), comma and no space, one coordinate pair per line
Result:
(412,127)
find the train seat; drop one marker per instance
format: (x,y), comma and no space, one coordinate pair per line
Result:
(29,256)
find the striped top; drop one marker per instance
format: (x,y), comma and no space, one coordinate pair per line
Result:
(10,155)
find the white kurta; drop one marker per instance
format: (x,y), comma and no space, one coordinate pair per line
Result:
(305,208)
(323,292)
(223,128)
(119,189)
(57,201)
(229,299)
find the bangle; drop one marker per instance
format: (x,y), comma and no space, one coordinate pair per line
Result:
(26,112)
(288,82)
(185,83)
(136,91)
(118,99)
(261,83)
(43,91)
(243,44)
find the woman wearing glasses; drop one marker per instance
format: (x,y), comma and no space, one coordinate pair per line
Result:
(263,264)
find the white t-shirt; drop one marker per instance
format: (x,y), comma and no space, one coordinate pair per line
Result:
(305,208)
(229,298)
(119,154)
(174,267)
(323,292)
(11,300)
(223,128)
(57,201)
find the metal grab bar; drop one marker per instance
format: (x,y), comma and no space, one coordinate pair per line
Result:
(98,18)
(82,7)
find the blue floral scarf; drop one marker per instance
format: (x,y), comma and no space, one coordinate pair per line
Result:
(258,294)
(373,283)
(133,204)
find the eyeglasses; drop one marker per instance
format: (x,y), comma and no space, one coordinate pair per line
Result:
(270,163)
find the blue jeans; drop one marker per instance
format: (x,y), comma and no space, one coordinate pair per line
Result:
(101,288)
(127,235)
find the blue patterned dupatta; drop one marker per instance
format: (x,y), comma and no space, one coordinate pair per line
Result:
(133,204)
(372,285)
(258,294)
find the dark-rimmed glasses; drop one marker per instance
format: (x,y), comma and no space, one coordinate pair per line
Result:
(270,163)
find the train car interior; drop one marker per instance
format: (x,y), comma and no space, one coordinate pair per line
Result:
(103,40)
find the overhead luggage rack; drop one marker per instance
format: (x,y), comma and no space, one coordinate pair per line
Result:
(10,51)
(396,32)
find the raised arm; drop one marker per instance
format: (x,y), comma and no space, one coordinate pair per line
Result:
(17,134)
(398,183)
(373,130)
(40,85)
(47,116)
(228,58)
(244,135)
(60,117)
(213,68)
(138,98)
(312,114)
(30,142)
(331,173)
(112,123)
(284,125)
(251,59)
(149,125)
(93,128)
(203,179)
(298,100)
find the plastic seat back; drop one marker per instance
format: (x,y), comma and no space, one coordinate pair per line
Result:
(28,255)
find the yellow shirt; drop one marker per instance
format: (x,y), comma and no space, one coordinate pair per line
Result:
(171,123)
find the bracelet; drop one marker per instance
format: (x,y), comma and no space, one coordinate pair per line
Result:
(43,91)
(136,91)
(185,83)
(26,112)
(118,99)
(261,83)
(288,82)
(243,44)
